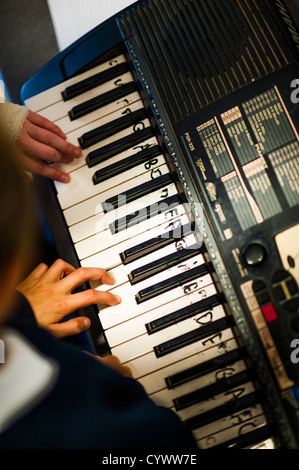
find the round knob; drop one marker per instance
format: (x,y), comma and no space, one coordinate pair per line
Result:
(255,254)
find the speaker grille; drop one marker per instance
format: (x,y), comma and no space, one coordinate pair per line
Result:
(201,50)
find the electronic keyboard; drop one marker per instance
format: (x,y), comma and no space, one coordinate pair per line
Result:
(187,193)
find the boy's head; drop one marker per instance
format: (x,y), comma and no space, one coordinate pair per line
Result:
(16,219)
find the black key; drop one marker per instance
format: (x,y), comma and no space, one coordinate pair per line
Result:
(135,193)
(118,146)
(192,336)
(150,211)
(171,283)
(111,128)
(102,100)
(149,246)
(161,264)
(182,314)
(222,411)
(95,80)
(126,164)
(249,439)
(218,362)
(220,386)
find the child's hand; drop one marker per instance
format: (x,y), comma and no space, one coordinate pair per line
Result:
(49,292)
(114,363)
(41,141)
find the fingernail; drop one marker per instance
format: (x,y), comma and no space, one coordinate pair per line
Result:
(86,322)
(118,299)
(65,179)
(78,153)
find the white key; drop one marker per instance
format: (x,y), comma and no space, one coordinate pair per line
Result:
(226,429)
(155,381)
(105,239)
(101,221)
(136,326)
(146,343)
(74,136)
(121,277)
(166,397)
(215,401)
(122,284)
(149,363)
(109,256)
(81,186)
(101,120)
(53,95)
(266,444)
(121,272)
(61,109)
(101,116)
(123,288)
(79,162)
(130,131)
(116,185)
(129,308)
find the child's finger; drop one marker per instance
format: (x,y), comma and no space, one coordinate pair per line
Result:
(82,275)
(38,272)
(59,270)
(41,121)
(91,297)
(74,326)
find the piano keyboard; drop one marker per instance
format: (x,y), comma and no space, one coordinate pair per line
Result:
(125,212)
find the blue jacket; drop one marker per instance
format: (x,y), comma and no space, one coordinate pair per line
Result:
(90,406)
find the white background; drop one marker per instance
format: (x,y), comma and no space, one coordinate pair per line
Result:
(73,18)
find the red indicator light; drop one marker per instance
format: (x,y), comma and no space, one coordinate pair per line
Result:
(269,313)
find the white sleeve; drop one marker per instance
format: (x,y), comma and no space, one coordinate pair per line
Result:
(12,117)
